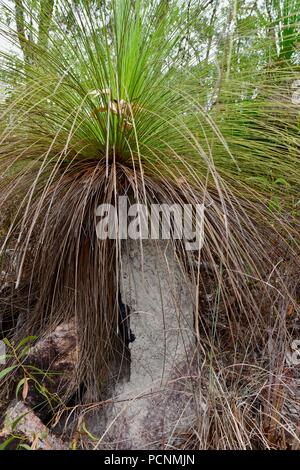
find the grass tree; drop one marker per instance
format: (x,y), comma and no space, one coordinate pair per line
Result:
(113,107)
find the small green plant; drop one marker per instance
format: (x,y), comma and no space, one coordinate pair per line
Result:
(31,375)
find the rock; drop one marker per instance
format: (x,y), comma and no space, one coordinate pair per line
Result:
(57,353)
(21,420)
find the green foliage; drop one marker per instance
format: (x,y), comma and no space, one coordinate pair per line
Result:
(30,374)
